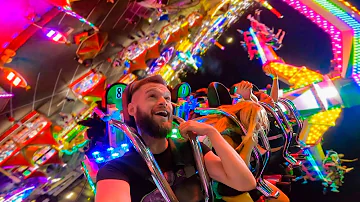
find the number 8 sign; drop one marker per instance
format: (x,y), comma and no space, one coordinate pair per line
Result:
(119,92)
(114,94)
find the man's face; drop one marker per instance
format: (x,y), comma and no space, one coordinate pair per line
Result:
(152,109)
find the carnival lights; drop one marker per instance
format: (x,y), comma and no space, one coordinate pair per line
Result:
(335,34)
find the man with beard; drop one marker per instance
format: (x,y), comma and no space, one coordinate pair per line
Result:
(148,109)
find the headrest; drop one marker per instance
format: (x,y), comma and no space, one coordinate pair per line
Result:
(218,95)
(182,90)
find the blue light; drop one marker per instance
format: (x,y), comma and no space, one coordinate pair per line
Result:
(115,155)
(100,160)
(125,147)
(110,149)
(95,153)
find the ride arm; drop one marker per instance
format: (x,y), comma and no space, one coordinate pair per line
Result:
(228,167)
(112,190)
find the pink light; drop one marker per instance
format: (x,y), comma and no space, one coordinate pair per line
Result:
(334,33)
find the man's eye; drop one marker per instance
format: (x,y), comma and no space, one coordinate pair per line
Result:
(167,98)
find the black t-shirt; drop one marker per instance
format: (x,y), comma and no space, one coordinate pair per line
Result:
(176,162)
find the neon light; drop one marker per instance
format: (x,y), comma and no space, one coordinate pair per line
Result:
(50,33)
(20,196)
(57,37)
(10,76)
(7,95)
(328,27)
(312,161)
(67,10)
(86,171)
(16,81)
(257,43)
(347,18)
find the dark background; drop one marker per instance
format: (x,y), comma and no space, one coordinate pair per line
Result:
(305,44)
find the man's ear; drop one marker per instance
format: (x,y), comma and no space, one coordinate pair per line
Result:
(131,109)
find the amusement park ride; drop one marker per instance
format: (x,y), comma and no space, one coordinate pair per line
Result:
(303,113)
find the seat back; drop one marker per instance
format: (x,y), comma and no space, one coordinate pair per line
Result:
(218,95)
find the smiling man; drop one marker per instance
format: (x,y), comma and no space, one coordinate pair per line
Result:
(148,109)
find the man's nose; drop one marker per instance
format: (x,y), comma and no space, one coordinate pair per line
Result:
(162,101)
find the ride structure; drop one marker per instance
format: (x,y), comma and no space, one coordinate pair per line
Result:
(319,98)
(173,49)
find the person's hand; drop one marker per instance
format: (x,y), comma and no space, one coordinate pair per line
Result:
(271,72)
(244,88)
(192,128)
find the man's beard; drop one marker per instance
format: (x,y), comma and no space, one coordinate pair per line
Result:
(150,127)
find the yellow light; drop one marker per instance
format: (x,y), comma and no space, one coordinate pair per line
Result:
(229,40)
(69,195)
(297,77)
(320,123)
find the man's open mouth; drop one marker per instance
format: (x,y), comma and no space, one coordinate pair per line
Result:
(162,113)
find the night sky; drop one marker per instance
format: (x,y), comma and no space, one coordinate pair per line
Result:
(305,44)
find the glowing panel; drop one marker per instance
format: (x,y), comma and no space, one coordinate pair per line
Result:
(297,77)
(315,127)
(354,24)
(344,42)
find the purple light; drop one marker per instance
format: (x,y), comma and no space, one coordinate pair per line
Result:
(6,95)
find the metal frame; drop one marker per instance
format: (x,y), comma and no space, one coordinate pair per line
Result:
(261,162)
(287,134)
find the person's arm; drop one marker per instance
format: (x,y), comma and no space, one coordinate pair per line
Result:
(112,184)
(228,167)
(112,191)
(274,94)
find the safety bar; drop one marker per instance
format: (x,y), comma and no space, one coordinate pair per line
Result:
(260,162)
(287,135)
(145,153)
(295,114)
(154,168)
(199,160)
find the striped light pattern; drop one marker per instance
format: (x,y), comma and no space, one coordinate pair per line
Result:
(334,33)
(328,27)
(350,21)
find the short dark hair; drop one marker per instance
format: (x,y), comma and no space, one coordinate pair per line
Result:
(129,92)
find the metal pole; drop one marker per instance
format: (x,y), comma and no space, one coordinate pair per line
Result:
(53,94)
(36,85)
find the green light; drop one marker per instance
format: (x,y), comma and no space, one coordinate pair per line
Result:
(75,148)
(349,20)
(91,183)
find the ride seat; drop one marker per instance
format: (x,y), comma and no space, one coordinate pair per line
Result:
(219,95)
